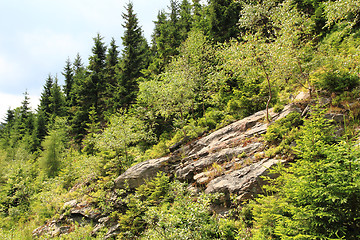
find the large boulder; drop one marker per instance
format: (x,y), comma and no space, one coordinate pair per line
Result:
(221,146)
(245,182)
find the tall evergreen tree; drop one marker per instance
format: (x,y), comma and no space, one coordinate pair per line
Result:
(26,120)
(69,81)
(135,56)
(185,20)
(224,16)
(95,84)
(158,45)
(199,15)
(111,78)
(77,65)
(57,101)
(45,98)
(170,31)
(78,112)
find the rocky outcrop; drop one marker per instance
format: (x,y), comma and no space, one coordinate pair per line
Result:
(228,160)
(244,182)
(215,157)
(74,213)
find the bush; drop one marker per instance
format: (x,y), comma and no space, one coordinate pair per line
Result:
(276,132)
(336,81)
(317,196)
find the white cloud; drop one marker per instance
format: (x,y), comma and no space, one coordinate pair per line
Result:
(47,44)
(8,69)
(11,101)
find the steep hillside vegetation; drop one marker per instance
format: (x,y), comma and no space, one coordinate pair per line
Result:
(169,140)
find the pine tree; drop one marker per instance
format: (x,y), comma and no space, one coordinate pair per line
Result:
(135,56)
(173,38)
(57,101)
(45,99)
(185,20)
(26,116)
(224,16)
(95,84)
(78,112)
(52,101)
(158,45)
(110,96)
(69,81)
(200,19)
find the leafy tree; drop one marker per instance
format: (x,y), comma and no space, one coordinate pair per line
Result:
(171,97)
(123,131)
(54,146)
(93,128)
(256,16)
(342,11)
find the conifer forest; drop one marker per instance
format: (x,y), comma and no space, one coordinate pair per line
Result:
(147,111)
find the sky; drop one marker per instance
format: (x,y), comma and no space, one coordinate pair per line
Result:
(37,37)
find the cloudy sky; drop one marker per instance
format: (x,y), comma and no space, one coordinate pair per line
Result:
(37,36)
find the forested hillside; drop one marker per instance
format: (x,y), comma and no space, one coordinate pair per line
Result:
(207,65)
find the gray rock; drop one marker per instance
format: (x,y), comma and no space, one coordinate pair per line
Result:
(138,174)
(245,182)
(194,164)
(302,96)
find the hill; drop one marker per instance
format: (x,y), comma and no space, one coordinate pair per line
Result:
(239,121)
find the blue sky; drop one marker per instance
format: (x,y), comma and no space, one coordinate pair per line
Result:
(37,36)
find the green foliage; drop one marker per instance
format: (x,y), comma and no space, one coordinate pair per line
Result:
(123,131)
(223,18)
(316,197)
(135,57)
(335,80)
(193,84)
(54,146)
(161,209)
(277,131)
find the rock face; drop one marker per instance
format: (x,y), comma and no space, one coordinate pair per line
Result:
(223,161)
(229,160)
(245,182)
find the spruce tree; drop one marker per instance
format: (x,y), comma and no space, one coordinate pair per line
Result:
(95,83)
(135,56)
(78,112)
(111,77)
(45,99)
(57,101)
(224,16)
(26,116)
(158,45)
(69,81)
(185,20)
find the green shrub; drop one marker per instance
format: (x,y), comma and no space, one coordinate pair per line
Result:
(211,118)
(317,197)
(276,131)
(336,81)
